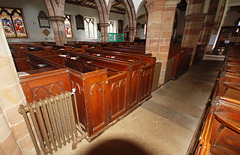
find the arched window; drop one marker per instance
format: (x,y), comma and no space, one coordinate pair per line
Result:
(68,26)
(111,26)
(13,23)
(89,27)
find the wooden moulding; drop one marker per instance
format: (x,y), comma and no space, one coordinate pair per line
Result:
(104,93)
(220,127)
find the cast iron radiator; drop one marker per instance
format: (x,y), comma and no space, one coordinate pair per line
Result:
(51,122)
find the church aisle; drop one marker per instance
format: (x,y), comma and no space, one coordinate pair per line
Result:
(164,124)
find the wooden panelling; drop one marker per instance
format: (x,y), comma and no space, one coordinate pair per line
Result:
(41,85)
(117,92)
(96,100)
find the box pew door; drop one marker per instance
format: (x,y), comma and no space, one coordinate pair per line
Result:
(134,85)
(117,95)
(95,100)
(76,83)
(146,76)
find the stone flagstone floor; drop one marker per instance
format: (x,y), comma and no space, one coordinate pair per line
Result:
(163,125)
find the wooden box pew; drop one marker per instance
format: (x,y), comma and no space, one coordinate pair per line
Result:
(33,47)
(19,50)
(199,54)
(134,47)
(178,55)
(76,47)
(145,58)
(125,50)
(182,58)
(53,46)
(102,94)
(147,69)
(228,85)
(146,66)
(222,129)
(134,68)
(231,67)
(99,51)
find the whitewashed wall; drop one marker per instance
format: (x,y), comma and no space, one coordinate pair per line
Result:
(115,17)
(73,10)
(230,18)
(140,31)
(31,9)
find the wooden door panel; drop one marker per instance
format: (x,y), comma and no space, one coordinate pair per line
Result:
(134,86)
(146,81)
(95,100)
(96,105)
(117,92)
(77,83)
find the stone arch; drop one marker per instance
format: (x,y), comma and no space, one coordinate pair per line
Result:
(143,4)
(131,17)
(103,18)
(56,15)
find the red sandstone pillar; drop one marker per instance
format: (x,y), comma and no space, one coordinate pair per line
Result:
(56,15)
(194,21)
(216,25)
(132,33)
(161,15)
(208,22)
(104,32)
(58,29)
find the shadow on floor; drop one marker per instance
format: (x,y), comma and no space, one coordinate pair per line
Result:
(117,147)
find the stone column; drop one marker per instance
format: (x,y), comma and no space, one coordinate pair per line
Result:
(132,33)
(14,136)
(194,21)
(208,22)
(216,25)
(58,29)
(104,32)
(161,15)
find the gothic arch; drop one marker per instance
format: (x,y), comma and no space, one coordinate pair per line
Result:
(143,4)
(56,15)
(103,18)
(131,17)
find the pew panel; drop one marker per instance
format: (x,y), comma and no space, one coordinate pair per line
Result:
(146,77)
(117,92)
(95,100)
(41,85)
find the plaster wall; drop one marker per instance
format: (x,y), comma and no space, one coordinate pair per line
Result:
(140,30)
(35,33)
(30,12)
(230,18)
(115,17)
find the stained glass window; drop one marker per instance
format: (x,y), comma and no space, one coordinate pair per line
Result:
(68,26)
(111,27)
(89,27)
(13,23)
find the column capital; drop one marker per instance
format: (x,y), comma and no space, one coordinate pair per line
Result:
(103,24)
(56,18)
(195,17)
(156,3)
(132,28)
